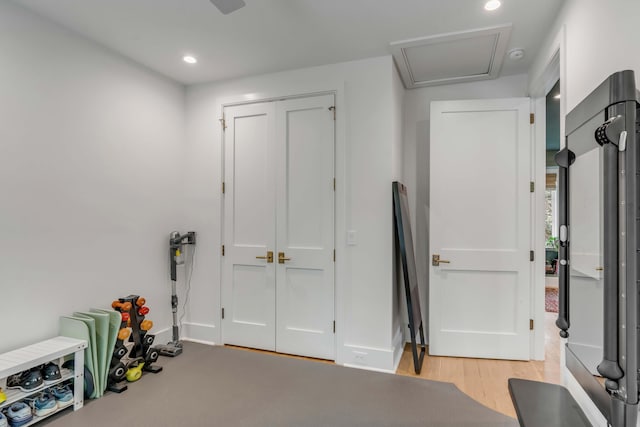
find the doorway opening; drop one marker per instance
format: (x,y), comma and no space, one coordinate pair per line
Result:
(552,146)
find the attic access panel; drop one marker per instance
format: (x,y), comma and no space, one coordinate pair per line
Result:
(452,58)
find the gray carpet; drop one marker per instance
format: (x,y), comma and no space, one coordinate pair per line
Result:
(217,386)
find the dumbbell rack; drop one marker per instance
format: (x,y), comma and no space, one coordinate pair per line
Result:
(132,348)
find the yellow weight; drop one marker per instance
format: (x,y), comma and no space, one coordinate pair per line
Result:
(134,373)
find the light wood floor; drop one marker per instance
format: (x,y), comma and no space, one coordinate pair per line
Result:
(482,379)
(486,380)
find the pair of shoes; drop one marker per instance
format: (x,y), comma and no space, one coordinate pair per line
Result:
(62,394)
(34,378)
(19,414)
(3,420)
(3,397)
(50,372)
(26,381)
(53,398)
(42,404)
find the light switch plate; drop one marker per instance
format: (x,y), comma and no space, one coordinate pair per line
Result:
(352,237)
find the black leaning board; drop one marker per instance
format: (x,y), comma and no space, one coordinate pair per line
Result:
(545,405)
(405,243)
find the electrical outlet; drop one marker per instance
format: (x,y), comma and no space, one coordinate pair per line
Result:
(360,357)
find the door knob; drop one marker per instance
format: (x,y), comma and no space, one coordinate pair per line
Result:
(269,257)
(281,258)
(436,261)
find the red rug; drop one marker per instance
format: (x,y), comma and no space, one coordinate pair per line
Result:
(551,300)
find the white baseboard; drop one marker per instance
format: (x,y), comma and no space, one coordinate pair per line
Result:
(551,282)
(398,348)
(163,336)
(200,333)
(369,368)
(199,341)
(194,332)
(370,358)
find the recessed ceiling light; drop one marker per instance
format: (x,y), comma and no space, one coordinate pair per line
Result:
(189,59)
(492,4)
(516,54)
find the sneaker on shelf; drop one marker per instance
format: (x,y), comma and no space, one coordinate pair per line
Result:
(3,420)
(30,380)
(62,394)
(19,414)
(50,373)
(42,404)
(3,397)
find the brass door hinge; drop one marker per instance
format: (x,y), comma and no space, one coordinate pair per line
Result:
(223,122)
(532,118)
(531,324)
(223,312)
(334,184)
(222,250)
(334,255)
(222,187)
(333,108)
(531,256)
(334,326)
(532,187)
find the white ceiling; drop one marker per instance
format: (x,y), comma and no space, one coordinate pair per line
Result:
(275,35)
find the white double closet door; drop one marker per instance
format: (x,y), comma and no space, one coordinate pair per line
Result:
(278,265)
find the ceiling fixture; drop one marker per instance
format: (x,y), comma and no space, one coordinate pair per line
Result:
(516,54)
(492,5)
(228,6)
(450,58)
(189,59)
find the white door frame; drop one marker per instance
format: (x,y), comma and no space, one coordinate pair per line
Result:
(341,266)
(555,68)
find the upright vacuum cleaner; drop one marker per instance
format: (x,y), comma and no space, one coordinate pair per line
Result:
(176,246)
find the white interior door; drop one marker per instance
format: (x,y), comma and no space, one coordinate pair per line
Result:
(480,223)
(279,169)
(305,218)
(249,288)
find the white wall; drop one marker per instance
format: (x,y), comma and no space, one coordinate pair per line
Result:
(364,169)
(416,156)
(90,158)
(601,38)
(398,293)
(398,93)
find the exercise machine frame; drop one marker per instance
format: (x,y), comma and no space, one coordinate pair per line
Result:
(619,101)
